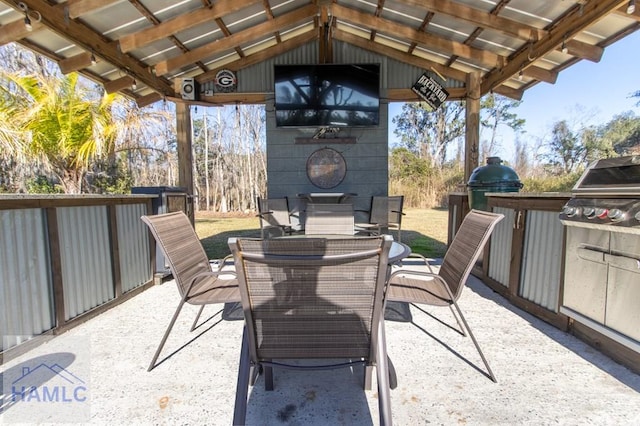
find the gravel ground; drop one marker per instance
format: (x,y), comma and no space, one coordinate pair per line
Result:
(545,376)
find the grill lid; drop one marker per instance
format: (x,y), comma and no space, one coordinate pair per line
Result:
(611,176)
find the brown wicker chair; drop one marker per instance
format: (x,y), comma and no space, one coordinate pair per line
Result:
(312,298)
(445,287)
(385,212)
(197,283)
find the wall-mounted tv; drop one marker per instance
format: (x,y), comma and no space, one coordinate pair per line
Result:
(327,95)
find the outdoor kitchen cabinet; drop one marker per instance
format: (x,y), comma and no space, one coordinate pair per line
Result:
(602,283)
(524,258)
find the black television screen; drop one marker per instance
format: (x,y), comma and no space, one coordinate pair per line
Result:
(330,95)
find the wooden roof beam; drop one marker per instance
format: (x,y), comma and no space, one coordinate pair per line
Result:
(77,62)
(396,54)
(584,50)
(253,33)
(262,55)
(119,84)
(54,16)
(147,100)
(480,18)
(576,20)
(165,29)
(540,74)
(397,30)
(77,8)
(17,30)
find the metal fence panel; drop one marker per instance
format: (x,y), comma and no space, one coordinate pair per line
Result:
(86,258)
(133,246)
(26,303)
(500,251)
(542,259)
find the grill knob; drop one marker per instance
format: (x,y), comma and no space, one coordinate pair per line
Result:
(616,215)
(601,213)
(570,211)
(589,212)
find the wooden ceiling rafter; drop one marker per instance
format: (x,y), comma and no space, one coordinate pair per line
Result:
(571,23)
(17,30)
(423,26)
(263,55)
(269,12)
(183,22)
(397,30)
(77,8)
(479,18)
(155,21)
(251,34)
(56,18)
(478,30)
(398,55)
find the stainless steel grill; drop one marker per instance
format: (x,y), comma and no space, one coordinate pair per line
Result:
(607,196)
(602,260)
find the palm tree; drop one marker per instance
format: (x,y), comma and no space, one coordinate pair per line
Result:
(58,120)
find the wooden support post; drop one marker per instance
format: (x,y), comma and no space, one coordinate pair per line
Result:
(472,132)
(185,155)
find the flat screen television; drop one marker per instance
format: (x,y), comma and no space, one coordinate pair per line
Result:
(327,95)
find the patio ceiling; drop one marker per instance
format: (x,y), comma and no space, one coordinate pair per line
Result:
(142,48)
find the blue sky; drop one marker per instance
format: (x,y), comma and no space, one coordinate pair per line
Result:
(586,93)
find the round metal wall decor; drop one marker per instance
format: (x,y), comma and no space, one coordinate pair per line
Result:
(326,168)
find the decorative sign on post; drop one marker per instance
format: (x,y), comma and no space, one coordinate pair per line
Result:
(430,91)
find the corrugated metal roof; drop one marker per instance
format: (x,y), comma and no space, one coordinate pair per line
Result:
(160,41)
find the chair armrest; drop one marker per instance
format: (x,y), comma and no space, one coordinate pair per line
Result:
(396,211)
(413,255)
(410,272)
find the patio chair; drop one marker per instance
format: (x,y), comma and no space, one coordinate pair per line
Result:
(385,212)
(329,219)
(312,298)
(275,217)
(197,283)
(445,287)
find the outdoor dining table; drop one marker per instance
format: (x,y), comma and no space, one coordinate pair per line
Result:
(397,252)
(326,197)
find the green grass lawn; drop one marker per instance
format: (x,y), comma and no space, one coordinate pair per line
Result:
(424,230)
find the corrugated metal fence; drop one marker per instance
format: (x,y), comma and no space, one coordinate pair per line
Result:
(63,257)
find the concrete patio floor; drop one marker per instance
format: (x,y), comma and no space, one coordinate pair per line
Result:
(545,376)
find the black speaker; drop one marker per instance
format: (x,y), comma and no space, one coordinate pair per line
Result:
(189,89)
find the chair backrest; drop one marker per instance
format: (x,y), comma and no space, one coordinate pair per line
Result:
(387,210)
(181,246)
(464,250)
(274,211)
(329,219)
(312,297)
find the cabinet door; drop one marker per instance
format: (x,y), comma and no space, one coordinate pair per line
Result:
(585,275)
(623,293)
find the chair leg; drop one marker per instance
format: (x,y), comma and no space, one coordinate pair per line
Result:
(460,326)
(475,342)
(382,370)
(242,387)
(268,378)
(195,322)
(368,372)
(166,334)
